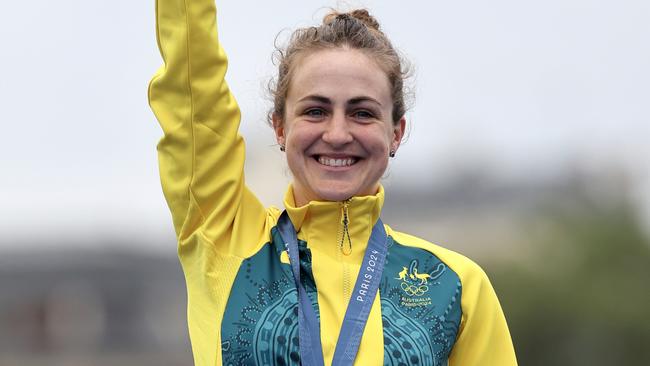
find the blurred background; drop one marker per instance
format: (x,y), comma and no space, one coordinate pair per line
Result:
(528,152)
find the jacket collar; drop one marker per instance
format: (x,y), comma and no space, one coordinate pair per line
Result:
(320,223)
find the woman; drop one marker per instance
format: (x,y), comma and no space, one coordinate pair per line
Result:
(256,294)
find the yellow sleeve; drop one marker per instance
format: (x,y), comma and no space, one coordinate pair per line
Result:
(483,337)
(201,155)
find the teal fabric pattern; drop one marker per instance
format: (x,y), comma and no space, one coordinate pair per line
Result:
(260,324)
(420,305)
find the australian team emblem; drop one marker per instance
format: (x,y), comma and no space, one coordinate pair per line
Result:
(414,283)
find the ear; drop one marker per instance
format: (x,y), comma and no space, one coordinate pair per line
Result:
(398,133)
(278,127)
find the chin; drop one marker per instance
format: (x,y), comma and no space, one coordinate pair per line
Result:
(331,195)
(342,192)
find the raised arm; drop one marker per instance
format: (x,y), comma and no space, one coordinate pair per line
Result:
(201,155)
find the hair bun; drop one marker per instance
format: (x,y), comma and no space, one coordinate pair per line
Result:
(361,15)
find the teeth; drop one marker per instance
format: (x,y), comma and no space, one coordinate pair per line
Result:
(336,162)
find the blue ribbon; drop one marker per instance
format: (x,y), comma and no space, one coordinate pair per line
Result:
(356,315)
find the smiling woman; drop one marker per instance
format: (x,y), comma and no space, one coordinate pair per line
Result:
(337,129)
(325,281)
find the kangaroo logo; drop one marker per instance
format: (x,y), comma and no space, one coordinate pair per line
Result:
(422,277)
(402,275)
(415,283)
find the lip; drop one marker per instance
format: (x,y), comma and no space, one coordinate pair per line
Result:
(346,161)
(334,155)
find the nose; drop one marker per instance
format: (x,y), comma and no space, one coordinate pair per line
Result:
(337,130)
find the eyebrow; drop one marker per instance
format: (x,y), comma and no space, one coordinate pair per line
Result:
(316,98)
(358,100)
(326,100)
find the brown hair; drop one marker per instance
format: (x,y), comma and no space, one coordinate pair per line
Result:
(356,29)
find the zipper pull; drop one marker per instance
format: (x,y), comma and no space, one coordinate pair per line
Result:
(345,233)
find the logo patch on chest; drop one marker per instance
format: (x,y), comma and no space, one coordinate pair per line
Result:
(415,284)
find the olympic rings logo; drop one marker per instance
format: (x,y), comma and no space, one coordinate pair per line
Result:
(414,290)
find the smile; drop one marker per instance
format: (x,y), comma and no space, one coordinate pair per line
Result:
(336,162)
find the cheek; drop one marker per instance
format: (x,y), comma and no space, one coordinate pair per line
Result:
(302,135)
(299,139)
(382,141)
(380,149)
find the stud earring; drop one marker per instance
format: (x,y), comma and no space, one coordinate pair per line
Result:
(282,148)
(391,153)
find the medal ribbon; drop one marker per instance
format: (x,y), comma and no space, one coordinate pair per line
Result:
(356,315)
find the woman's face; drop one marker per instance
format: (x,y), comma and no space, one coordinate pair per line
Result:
(338,129)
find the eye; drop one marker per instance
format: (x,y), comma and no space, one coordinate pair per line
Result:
(363,114)
(314,112)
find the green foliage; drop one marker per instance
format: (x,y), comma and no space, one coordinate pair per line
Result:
(582,297)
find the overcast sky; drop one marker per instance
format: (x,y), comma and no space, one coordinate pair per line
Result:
(514,86)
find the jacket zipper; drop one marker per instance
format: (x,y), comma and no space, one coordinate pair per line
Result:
(344,249)
(345,232)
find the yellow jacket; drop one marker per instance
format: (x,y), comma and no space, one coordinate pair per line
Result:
(433,306)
